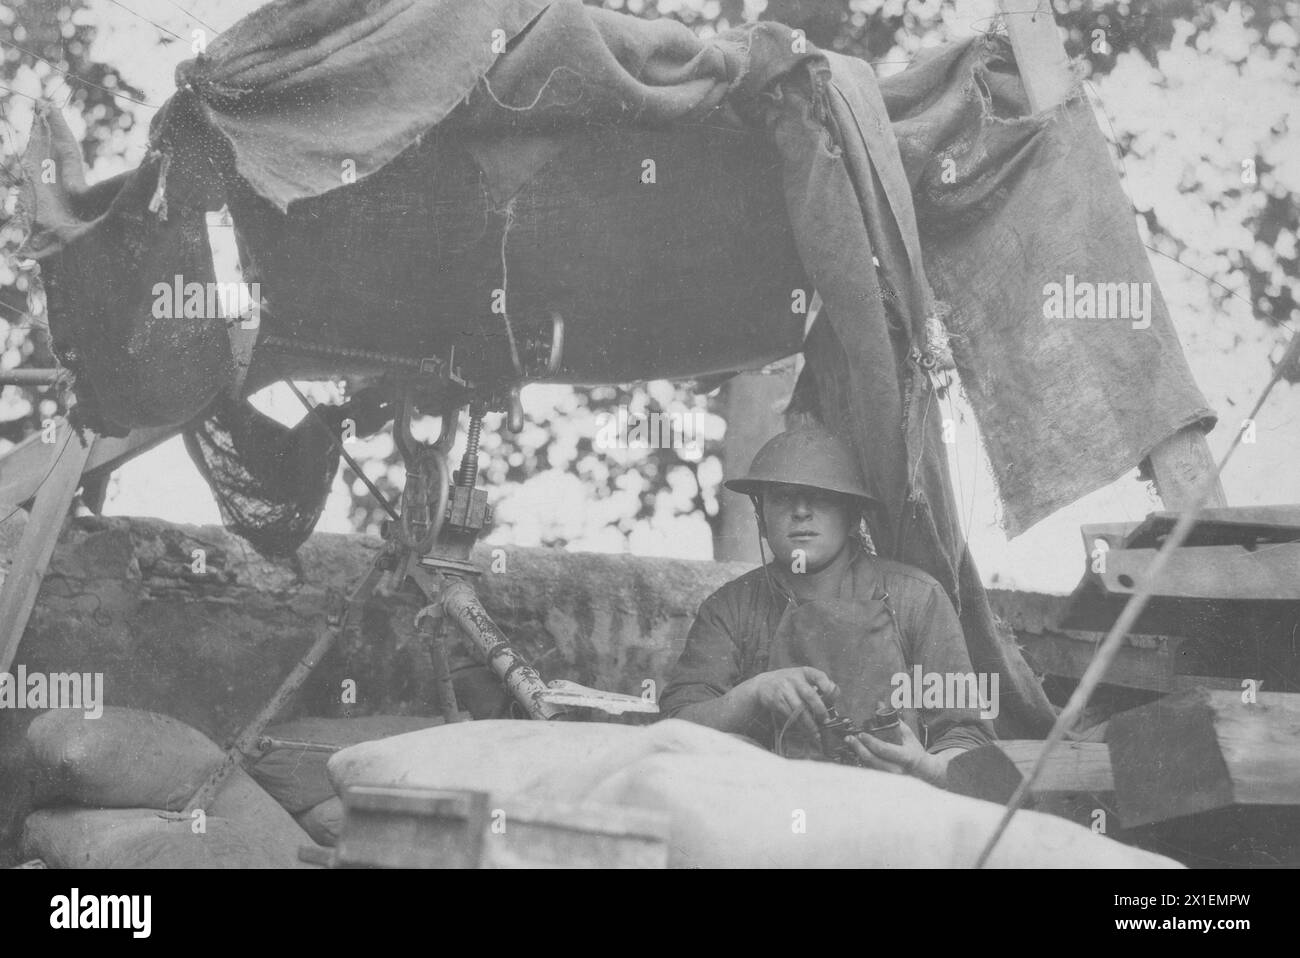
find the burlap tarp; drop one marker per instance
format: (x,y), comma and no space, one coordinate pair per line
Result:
(301,90)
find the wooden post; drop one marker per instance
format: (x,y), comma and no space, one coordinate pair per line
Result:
(754,415)
(1180,462)
(32,557)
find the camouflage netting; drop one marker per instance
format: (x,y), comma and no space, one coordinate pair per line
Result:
(270,481)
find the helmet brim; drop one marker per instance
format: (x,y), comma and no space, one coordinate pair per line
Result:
(756,487)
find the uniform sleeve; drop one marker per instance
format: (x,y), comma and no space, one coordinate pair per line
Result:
(709,665)
(940,646)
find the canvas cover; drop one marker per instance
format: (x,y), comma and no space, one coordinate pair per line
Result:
(304,88)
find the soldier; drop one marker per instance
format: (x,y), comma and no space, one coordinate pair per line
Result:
(825,622)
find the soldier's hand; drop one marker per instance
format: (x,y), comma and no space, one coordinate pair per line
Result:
(909,758)
(783,692)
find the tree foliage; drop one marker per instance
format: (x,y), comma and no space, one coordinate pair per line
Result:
(1141,56)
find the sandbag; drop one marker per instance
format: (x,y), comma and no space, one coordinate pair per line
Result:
(133,759)
(296,777)
(757,811)
(731,804)
(323,822)
(242,800)
(497,756)
(138,838)
(127,758)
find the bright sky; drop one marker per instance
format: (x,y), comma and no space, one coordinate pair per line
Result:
(1199,105)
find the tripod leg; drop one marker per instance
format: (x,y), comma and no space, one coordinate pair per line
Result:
(245,744)
(432,625)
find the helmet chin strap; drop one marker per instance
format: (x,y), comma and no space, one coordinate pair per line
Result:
(762,532)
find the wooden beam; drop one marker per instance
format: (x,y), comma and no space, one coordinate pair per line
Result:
(1040,54)
(1179,464)
(1067,654)
(1203,750)
(755,407)
(1071,767)
(1181,461)
(1076,783)
(1230,573)
(32,557)
(24,466)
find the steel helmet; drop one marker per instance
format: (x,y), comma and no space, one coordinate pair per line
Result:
(807,456)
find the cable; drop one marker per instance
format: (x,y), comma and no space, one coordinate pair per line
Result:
(780,736)
(17,312)
(156,26)
(319,418)
(192,16)
(71,76)
(9,89)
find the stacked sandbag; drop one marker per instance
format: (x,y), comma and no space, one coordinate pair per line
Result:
(730,804)
(323,822)
(124,758)
(140,838)
(297,778)
(143,763)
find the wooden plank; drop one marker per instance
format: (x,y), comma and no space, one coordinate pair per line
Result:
(1076,783)
(1114,534)
(24,466)
(1179,463)
(1152,669)
(755,406)
(1071,767)
(1268,573)
(1222,526)
(1040,54)
(1203,750)
(32,557)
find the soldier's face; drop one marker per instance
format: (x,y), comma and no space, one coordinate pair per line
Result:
(808,524)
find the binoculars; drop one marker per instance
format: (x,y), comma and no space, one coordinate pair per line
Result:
(835,731)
